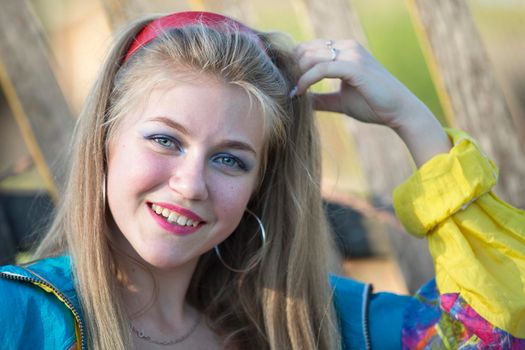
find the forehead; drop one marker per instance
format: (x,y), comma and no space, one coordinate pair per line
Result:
(204,104)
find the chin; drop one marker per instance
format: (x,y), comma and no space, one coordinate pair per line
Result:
(168,261)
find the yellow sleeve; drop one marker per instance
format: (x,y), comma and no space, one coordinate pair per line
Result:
(476,240)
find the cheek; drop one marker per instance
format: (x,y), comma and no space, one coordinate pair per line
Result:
(231,199)
(132,171)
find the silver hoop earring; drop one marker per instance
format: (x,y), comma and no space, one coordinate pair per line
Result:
(104,189)
(263,238)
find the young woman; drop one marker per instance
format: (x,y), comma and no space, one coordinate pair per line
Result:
(192,217)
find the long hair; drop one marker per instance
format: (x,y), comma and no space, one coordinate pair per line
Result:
(285,301)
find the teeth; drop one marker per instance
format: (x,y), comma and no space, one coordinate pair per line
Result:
(182,220)
(173,217)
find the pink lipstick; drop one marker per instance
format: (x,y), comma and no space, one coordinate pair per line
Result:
(173,227)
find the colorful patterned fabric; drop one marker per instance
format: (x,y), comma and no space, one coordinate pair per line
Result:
(434,321)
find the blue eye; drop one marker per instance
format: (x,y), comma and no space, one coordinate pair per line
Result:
(166,141)
(230,162)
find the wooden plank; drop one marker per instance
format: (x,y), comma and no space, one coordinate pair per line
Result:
(120,12)
(468,88)
(239,9)
(12,150)
(32,91)
(335,19)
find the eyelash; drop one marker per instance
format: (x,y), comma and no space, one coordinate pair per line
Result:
(238,163)
(158,139)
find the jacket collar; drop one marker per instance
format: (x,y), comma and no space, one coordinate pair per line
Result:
(55,271)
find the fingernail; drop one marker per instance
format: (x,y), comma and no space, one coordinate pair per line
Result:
(293,92)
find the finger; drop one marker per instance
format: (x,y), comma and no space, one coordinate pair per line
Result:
(311,58)
(315,55)
(309,47)
(354,105)
(344,70)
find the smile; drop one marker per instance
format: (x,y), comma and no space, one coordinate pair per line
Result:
(173,217)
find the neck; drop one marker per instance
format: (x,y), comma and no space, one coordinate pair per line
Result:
(156,298)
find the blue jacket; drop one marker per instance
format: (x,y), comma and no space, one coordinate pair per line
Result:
(39,305)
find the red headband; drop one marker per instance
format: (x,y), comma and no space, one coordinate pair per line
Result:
(181,19)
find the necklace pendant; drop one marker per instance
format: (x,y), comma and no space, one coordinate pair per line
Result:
(142,335)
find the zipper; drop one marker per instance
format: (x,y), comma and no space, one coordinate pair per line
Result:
(76,314)
(364,310)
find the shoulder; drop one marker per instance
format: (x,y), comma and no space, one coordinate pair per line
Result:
(387,312)
(368,320)
(32,316)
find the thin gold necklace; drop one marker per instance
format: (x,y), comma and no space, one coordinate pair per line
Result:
(142,335)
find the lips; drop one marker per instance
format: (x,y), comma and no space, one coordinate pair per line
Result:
(175,219)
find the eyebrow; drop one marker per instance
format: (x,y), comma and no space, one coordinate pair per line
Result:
(171,123)
(242,146)
(239,145)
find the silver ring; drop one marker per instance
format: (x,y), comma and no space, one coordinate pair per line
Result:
(329,44)
(334,53)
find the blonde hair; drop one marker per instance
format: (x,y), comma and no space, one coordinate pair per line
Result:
(285,301)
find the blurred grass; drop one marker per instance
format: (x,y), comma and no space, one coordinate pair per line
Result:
(394,43)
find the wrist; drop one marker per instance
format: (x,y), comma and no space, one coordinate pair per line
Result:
(424,137)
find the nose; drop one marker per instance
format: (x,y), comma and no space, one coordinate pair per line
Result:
(189,178)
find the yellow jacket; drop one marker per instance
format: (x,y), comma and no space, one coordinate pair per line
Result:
(476,240)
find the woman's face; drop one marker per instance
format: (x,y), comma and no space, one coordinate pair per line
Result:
(181,169)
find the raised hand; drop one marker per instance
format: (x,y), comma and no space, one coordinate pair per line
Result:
(369,93)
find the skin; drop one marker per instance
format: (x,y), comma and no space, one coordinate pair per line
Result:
(369,93)
(196,144)
(213,112)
